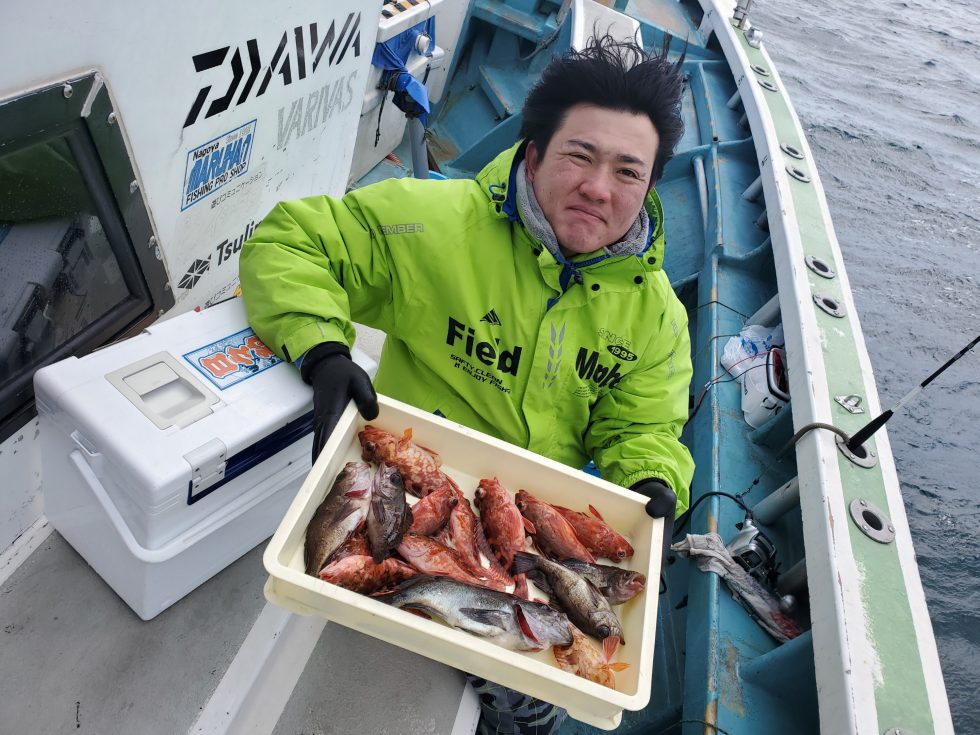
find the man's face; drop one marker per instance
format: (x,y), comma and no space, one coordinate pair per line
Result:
(594,176)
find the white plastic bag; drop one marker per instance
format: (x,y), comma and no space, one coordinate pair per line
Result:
(749,358)
(749,347)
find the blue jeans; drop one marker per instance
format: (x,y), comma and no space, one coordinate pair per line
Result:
(506,712)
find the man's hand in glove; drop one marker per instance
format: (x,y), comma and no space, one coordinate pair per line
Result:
(661,504)
(336,379)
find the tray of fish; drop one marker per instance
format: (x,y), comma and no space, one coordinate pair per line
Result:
(478,554)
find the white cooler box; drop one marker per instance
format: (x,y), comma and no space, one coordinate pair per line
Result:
(167,456)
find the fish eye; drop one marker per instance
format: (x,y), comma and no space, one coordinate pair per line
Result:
(603,631)
(621,554)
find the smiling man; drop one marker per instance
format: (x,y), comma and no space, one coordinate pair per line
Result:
(592,179)
(529,303)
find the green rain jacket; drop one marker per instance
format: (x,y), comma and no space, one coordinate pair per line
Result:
(484,326)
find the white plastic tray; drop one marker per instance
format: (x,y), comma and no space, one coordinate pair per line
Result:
(467,456)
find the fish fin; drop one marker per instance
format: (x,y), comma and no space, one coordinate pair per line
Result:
(407,439)
(433,452)
(408,583)
(356,493)
(456,491)
(523,562)
(609,646)
(520,586)
(309,557)
(596,513)
(496,568)
(417,611)
(576,565)
(487,617)
(594,593)
(528,526)
(619,666)
(378,506)
(525,626)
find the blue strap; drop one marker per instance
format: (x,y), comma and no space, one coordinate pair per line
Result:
(411,96)
(570,271)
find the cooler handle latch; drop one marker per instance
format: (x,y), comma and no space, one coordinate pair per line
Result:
(208,463)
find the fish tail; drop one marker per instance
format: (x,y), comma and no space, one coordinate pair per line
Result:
(523,562)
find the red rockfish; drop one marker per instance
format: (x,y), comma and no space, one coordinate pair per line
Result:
(553,535)
(596,535)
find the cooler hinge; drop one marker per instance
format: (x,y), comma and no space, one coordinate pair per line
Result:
(208,464)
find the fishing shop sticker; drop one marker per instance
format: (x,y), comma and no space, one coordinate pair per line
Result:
(216,163)
(232,359)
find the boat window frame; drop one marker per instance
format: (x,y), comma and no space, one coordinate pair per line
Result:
(79,111)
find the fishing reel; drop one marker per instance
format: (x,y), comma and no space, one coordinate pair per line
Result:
(754,552)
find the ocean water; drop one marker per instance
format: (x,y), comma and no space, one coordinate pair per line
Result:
(888,92)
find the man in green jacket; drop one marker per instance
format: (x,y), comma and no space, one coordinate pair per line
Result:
(529,303)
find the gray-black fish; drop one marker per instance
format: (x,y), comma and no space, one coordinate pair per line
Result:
(616,584)
(505,619)
(390,515)
(578,597)
(340,514)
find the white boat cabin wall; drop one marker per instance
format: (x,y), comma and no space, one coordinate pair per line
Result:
(164,157)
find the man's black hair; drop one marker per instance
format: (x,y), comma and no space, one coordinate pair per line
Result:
(615,75)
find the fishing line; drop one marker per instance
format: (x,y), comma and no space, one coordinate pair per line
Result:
(695,721)
(718,379)
(715,301)
(707,344)
(855,442)
(690,511)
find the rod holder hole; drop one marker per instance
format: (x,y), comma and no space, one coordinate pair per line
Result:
(863,457)
(791,151)
(830,305)
(798,174)
(872,520)
(819,267)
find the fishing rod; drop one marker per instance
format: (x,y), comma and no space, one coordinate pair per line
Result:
(854,443)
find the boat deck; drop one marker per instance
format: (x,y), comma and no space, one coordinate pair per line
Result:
(76,659)
(98,668)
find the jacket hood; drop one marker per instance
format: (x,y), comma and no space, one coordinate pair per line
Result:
(498,181)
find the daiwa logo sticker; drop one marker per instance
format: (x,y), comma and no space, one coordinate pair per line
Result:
(218,162)
(300,51)
(232,359)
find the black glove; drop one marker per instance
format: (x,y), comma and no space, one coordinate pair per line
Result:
(336,379)
(661,504)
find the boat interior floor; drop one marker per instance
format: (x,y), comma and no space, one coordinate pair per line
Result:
(76,659)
